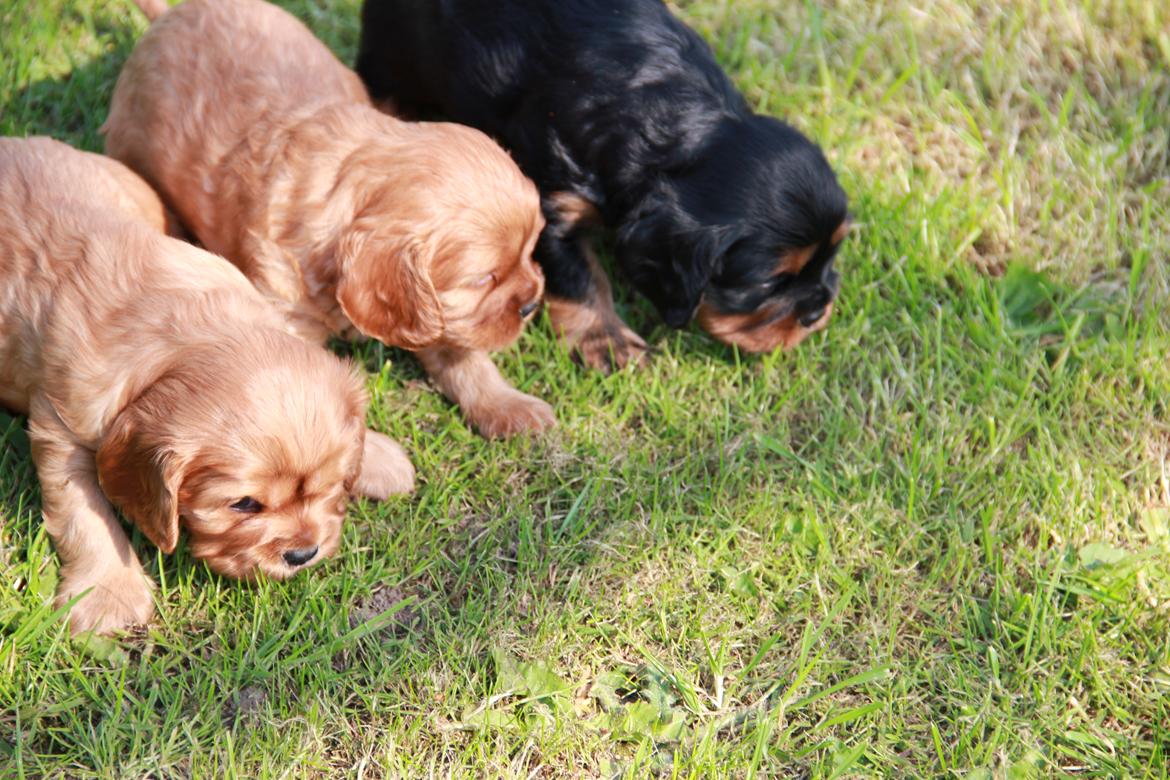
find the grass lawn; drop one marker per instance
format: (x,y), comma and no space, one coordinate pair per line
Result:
(931,542)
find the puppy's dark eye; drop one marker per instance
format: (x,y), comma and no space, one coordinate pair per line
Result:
(248,505)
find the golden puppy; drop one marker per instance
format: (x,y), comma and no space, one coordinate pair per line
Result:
(152,372)
(269,150)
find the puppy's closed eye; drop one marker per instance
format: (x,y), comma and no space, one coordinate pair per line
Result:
(248,506)
(479,282)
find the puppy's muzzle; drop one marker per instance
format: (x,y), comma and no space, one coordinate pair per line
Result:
(810,318)
(300,557)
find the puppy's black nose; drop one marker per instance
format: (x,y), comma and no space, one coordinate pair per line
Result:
(300,557)
(809,319)
(528,308)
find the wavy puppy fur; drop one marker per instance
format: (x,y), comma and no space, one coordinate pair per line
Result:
(271,154)
(156,378)
(618,110)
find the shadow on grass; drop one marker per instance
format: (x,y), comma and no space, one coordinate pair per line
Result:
(17,478)
(72,107)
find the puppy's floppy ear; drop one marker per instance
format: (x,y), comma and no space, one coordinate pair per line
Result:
(356,400)
(384,287)
(671,260)
(142,478)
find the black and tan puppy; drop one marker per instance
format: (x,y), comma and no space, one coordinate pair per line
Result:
(621,115)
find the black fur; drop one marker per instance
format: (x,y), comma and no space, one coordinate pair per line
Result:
(621,103)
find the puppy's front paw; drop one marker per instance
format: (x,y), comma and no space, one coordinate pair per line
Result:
(386,469)
(117,600)
(610,348)
(511,414)
(594,334)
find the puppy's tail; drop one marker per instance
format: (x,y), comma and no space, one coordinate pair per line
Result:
(152,8)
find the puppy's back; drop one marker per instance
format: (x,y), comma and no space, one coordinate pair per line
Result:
(207,74)
(92,288)
(55,171)
(56,203)
(207,70)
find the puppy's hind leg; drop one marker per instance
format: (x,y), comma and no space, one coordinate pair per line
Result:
(584,316)
(386,469)
(95,553)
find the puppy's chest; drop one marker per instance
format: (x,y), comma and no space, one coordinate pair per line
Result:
(570,169)
(333,318)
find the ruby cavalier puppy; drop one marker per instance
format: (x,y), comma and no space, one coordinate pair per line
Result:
(158,380)
(270,153)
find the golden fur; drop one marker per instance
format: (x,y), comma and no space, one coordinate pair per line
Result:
(155,376)
(271,154)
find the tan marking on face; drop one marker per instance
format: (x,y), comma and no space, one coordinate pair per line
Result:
(576,210)
(793,261)
(840,233)
(757,331)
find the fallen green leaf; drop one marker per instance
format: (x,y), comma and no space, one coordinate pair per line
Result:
(1097,554)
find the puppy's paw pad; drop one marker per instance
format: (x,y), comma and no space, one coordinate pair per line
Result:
(386,469)
(114,603)
(513,415)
